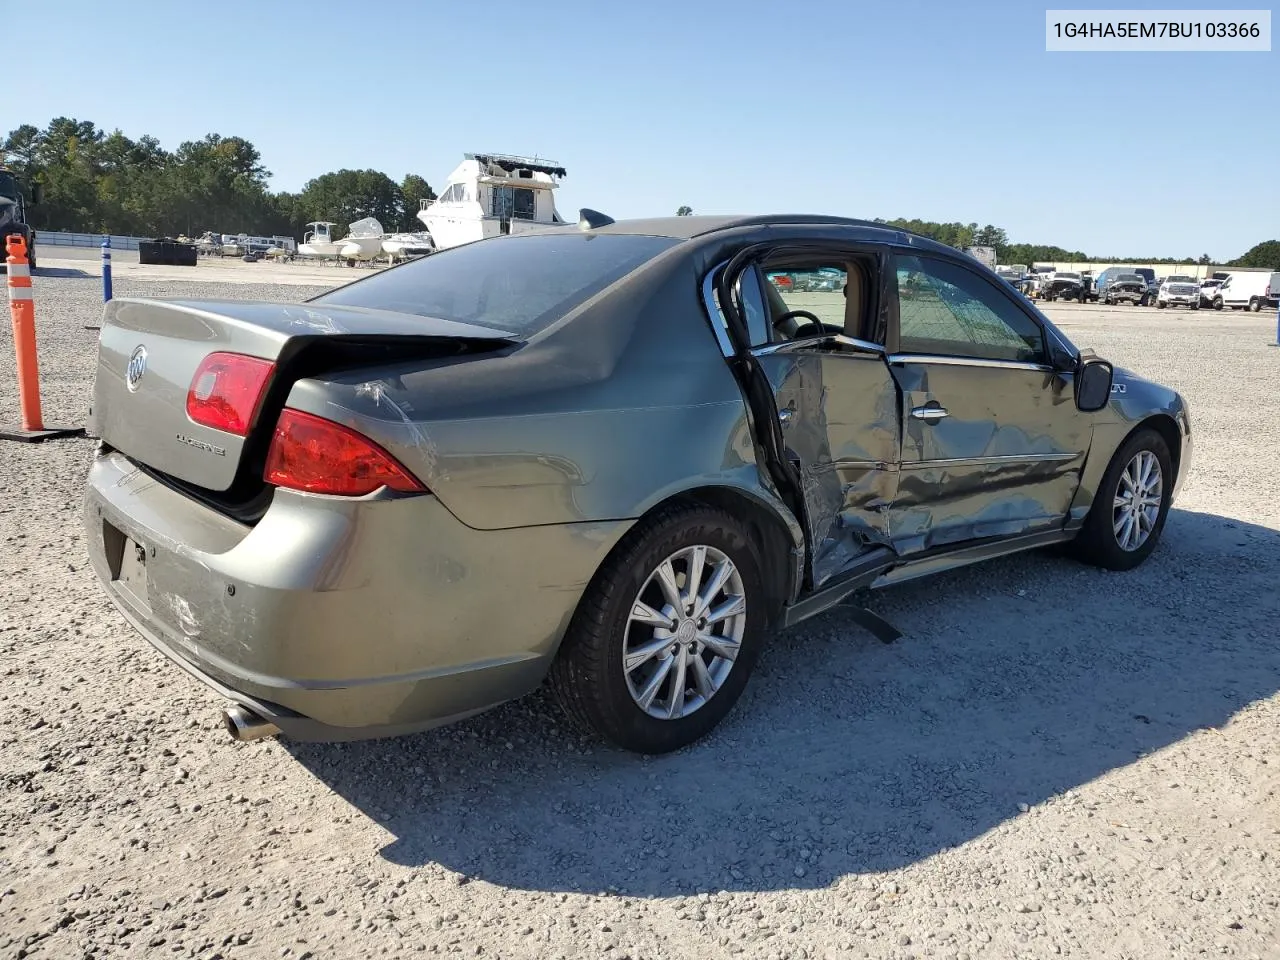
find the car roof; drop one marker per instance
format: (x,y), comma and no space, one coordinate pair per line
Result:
(690,227)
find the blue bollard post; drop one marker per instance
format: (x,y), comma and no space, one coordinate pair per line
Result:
(106,268)
(1277,343)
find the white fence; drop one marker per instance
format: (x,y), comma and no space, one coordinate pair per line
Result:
(51,238)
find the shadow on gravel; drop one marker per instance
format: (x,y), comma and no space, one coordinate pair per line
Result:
(61,273)
(1016,680)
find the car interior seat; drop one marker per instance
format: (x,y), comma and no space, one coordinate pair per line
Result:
(855,295)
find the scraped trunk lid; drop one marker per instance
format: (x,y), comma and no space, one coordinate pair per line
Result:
(149,351)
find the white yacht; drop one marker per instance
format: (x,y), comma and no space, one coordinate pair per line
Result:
(318,241)
(490,194)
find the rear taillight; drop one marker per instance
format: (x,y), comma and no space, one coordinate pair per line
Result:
(226,391)
(319,456)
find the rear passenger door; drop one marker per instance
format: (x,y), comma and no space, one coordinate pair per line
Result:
(992,442)
(814,339)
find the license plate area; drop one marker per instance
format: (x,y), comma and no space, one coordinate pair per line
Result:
(127,561)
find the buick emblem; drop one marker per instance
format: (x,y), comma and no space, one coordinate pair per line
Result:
(137,367)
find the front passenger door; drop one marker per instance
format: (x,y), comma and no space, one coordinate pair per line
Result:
(992,442)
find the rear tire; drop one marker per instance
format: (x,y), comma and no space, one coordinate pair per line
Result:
(1254,305)
(589,678)
(1102,540)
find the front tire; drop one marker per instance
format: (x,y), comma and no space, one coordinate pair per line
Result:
(1217,303)
(1254,304)
(667,633)
(1131,505)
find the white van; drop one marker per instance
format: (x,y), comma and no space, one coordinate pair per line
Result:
(1252,289)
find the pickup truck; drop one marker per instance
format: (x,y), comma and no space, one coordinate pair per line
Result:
(1178,291)
(1062,285)
(1128,288)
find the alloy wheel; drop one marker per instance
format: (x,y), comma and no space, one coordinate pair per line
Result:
(1136,505)
(684,632)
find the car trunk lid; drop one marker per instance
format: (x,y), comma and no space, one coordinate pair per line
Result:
(150,350)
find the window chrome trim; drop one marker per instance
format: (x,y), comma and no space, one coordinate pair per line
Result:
(947,361)
(865,347)
(718,325)
(989,461)
(1060,338)
(861,465)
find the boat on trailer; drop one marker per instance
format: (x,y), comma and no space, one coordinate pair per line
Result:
(401,246)
(363,240)
(318,241)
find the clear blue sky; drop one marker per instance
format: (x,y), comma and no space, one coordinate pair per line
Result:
(943,111)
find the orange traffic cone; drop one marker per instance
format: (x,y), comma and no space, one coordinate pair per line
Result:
(23,308)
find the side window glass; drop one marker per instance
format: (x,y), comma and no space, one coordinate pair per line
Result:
(947,310)
(753,308)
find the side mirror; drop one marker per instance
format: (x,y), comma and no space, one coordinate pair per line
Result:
(1093,384)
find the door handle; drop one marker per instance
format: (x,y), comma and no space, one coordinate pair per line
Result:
(785,414)
(929,414)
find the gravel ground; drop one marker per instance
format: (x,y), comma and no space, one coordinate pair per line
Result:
(1054,761)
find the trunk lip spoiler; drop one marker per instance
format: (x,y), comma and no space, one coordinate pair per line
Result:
(288,320)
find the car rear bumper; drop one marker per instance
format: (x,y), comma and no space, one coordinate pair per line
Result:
(339,618)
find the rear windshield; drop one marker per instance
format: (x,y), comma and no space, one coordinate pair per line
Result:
(517,284)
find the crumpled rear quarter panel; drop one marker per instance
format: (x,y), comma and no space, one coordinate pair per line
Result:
(624,403)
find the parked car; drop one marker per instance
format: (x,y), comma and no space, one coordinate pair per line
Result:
(1179,291)
(1035,280)
(1106,277)
(1209,289)
(1014,285)
(822,280)
(1130,288)
(1012,272)
(1246,290)
(1152,281)
(1063,285)
(611,455)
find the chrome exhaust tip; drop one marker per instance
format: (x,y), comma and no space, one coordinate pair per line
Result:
(243,724)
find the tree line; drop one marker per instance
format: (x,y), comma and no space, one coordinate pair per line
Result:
(962,235)
(98,182)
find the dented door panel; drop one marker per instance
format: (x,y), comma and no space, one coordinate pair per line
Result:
(1004,460)
(839,419)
